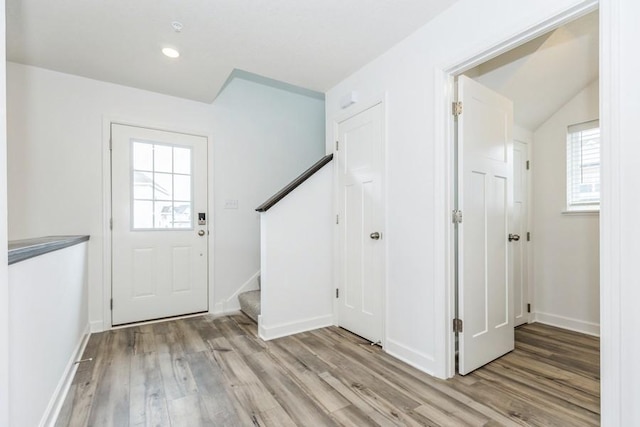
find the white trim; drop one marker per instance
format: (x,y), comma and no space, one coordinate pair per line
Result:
(578,212)
(527,141)
(231,304)
(285,329)
(356,109)
(569,323)
(107,120)
(611,233)
(344,115)
(411,356)
(385,245)
(106,231)
(525,136)
(52,412)
(96,326)
(444,236)
(443,160)
(527,34)
(531,244)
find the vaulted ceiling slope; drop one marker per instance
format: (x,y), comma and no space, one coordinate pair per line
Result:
(312,44)
(544,74)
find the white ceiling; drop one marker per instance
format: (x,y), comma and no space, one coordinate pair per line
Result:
(312,43)
(544,74)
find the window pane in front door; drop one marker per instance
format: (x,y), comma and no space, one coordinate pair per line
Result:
(161,186)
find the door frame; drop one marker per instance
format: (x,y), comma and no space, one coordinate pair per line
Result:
(444,154)
(107,245)
(517,136)
(348,113)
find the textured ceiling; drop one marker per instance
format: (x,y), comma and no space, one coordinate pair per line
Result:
(312,44)
(544,74)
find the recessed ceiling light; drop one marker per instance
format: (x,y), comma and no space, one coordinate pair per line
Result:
(170,52)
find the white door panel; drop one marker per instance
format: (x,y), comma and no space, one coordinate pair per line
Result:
(159,258)
(360,207)
(485,196)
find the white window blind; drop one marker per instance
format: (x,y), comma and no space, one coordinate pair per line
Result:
(583,166)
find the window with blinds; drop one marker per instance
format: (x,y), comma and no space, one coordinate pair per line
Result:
(583,166)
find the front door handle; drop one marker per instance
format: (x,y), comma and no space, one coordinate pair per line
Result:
(514,237)
(375,235)
(201,233)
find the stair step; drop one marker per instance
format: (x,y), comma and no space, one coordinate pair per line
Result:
(250,304)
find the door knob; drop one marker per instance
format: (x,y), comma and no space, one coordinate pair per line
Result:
(200,233)
(514,237)
(375,235)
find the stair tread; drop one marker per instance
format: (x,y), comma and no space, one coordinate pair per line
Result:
(250,304)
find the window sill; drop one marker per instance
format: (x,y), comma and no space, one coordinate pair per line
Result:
(582,212)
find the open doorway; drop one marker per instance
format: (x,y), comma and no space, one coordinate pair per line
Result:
(553,83)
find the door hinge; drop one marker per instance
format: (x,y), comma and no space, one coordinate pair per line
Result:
(337,145)
(337,219)
(456,216)
(457,325)
(337,293)
(528,236)
(111,304)
(456,108)
(110,144)
(528,308)
(110,223)
(528,164)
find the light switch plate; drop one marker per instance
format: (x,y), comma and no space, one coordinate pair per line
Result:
(230,204)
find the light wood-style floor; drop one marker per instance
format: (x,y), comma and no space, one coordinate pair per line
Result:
(216,372)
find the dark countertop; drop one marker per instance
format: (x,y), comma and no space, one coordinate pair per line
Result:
(19,250)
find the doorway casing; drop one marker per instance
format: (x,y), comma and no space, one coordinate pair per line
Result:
(353,111)
(105,323)
(611,400)
(445,158)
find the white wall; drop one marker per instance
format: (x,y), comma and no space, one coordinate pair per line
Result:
(260,138)
(297,259)
(566,246)
(48,322)
(4,280)
(418,322)
(263,139)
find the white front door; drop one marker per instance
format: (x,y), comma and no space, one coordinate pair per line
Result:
(361,261)
(159,246)
(518,248)
(485,197)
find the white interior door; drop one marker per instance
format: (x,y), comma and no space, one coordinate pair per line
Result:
(359,160)
(159,253)
(485,196)
(518,248)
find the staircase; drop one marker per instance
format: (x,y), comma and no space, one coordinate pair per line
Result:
(296,269)
(250,304)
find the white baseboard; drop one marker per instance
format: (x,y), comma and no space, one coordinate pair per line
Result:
(96,326)
(284,329)
(50,415)
(576,325)
(418,360)
(217,309)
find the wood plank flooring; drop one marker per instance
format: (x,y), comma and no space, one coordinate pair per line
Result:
(207,371)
